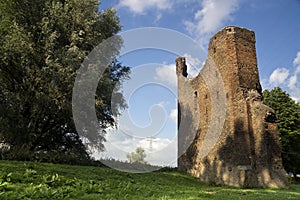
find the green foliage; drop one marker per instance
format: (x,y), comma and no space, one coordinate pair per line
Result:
(43,44)
(29,180)
(135,167)
(288,113)
(138,156)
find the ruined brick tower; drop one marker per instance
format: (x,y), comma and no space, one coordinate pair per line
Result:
(241,148)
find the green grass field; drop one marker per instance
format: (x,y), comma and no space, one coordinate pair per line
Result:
(29,180)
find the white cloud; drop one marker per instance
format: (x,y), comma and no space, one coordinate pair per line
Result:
(212,16)
(158,17)
(191,60)
(164,103)
(287,79)
(297,71)
(167,73)
(139,6)
(214,13)
(193,65)
(292,82)
(173,115)
(279,76)
(163,150)
(158,144)
(294,85)
(297,59)
(265,83)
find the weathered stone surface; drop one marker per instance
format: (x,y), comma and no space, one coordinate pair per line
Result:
(245,151)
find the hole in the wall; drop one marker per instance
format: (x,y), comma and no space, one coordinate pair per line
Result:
(266,126)
(195,101)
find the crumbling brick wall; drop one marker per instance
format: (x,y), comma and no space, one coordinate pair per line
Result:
(245,151)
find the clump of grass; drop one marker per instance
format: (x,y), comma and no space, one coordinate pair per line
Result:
(32,180)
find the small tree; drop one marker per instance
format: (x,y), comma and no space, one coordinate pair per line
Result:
(138,156)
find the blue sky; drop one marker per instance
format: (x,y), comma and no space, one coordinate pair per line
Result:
(277,27)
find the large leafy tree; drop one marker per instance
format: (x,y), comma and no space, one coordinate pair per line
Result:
(42,45)
(288,113)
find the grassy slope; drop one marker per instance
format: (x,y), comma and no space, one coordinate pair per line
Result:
(29,180)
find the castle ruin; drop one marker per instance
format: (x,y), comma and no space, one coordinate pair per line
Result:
(226,135)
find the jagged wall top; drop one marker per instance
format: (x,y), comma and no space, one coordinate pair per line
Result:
(238,31)
(181,67)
